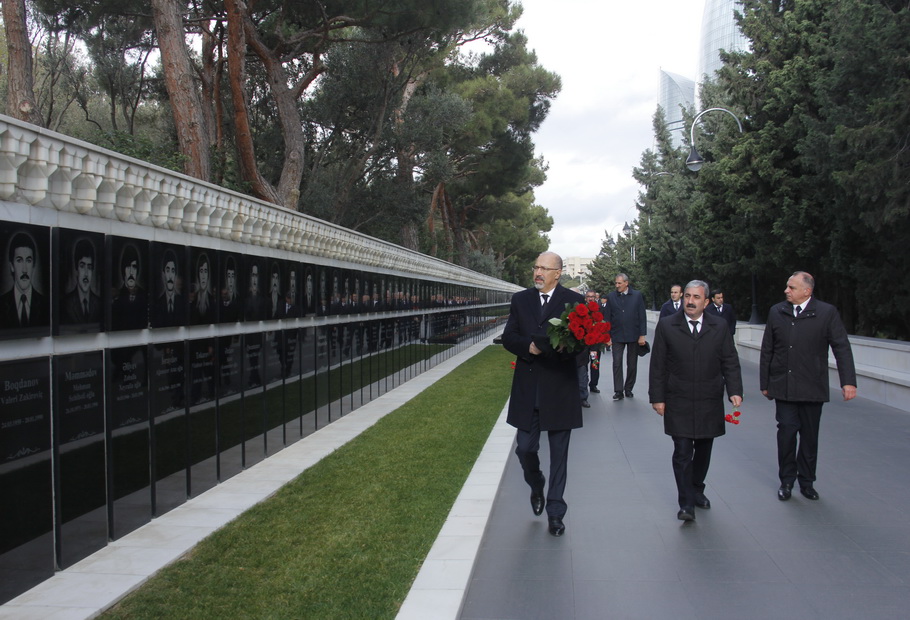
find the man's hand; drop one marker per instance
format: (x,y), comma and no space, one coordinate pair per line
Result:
(659,407)
(849,392)
(533,350)
(736,400)
(765,394)
(641,341)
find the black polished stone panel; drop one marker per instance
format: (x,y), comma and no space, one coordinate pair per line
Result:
(273,413)
(169,305)
(25,281)
(254,403)
(203,373)
(230,297)
(289,356)
(230,406)
(127,283)
(80,489)
(26,511)
(204,288)
(167,389)
(79,281)
(129,490)
(309,293)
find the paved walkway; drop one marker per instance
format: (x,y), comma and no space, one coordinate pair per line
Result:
(625,555)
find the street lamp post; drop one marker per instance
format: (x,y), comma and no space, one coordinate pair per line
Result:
(694,162)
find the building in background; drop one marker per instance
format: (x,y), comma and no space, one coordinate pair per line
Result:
(676,92)
(576,267)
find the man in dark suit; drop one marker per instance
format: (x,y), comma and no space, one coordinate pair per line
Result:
(717,307)
(629,325)
(130,308)
(23,306)
(82,305)
(544,393)
(692,360)
(793,370)
(594,352)
(170,307)
(674,304)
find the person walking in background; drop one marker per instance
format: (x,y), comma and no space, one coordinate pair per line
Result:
(626,313)
(544,394)
(793,371)
(674,304)
(717,307)
(593,352)
(692,360)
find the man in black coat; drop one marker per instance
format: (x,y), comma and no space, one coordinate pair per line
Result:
(544,393)
(628,327)
(674,304)
(793,370)
(717,307)
(692,360)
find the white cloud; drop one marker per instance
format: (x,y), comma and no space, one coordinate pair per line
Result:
(608,56)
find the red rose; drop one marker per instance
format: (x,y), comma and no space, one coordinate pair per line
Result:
(578,332)
(591,339)
(597,316)
(592,306)
(588,323)
(581,310)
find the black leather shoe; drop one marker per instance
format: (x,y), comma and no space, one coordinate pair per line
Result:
(783,493)
(585,404)
(686,513)
(809,492)
(556,526)
(617,395)
(537,499)
(701,501)
(595,390)
(629,394)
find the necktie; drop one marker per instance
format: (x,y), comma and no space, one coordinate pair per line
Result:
(797,310)
(544,297)
(23,314)
(170,306)
(694,327)
(85,307)
(676,306)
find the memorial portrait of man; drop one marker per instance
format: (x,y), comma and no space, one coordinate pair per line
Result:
(203,309)
(22,304)
(254,306)
(129,306)
(309,291)
(291,296)
(170,304)
(275,300)
(231,309)
(81,302)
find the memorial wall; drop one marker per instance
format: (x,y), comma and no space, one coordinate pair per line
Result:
(158,335)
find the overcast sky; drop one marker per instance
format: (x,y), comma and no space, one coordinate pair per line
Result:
(609,56)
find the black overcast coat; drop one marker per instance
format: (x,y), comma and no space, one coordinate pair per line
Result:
(794,352)
(549,380)
(689,374)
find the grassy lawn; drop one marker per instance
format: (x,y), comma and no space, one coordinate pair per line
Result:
(347,537)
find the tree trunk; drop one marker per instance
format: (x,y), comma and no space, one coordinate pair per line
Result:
(20,103)
(186,104)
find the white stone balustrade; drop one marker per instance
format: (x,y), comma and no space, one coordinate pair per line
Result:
(43,168)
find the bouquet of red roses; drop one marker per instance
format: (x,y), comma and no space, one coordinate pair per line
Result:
(582,324)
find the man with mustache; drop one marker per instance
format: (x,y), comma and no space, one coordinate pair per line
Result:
(170,307)
(130,308)
(692,361)
(82,305)
(23,306)
(545,394)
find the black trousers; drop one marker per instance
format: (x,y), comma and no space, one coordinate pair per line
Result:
(797,463)
(691,459)
(595,369)
(528,446)
(631,354)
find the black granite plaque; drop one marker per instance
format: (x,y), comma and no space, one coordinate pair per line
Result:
(78,281)
(25,282)
(167,387)
(128,395)
(293,278)
(230,297)
(203,365)
(309,299)
(230,405)
(127,283)
(204,291)
(274,293)
(203,358)
(80,460)
(26,511)
(168,305)
(254,288)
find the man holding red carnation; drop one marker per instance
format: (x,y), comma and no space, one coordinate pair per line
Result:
(692,360)
(544,394)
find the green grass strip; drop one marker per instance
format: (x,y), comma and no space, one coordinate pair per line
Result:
(348,536)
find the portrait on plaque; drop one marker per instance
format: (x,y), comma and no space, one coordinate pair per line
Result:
(254,304)
(79,308)
(128,286)
(309,291)
(169,306)
(274,302)
(25,286)
(291,290)
(231,308)
(203,305)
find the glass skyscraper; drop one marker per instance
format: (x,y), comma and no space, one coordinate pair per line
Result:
(675,91)
(718,32)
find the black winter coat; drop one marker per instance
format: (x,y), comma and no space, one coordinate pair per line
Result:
(794,352)
(549,380)
(689,373)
